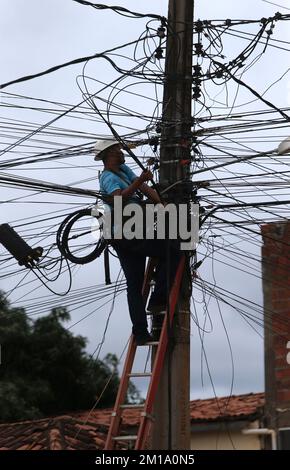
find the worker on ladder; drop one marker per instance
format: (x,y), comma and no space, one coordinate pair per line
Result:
(117,179)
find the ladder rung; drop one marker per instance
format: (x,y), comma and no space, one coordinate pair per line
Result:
(140,374)
(150,343)
(156,314)
(124,438)
(131,406)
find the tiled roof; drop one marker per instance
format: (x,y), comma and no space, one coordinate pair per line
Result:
(130,417)
(60,433)
(235,407)
(211,409)
(85,431)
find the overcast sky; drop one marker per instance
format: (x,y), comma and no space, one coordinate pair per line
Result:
(37,35)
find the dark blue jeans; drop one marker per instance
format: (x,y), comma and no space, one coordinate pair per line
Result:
(132,255)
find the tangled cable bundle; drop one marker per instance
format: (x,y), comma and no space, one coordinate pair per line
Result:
(63,237)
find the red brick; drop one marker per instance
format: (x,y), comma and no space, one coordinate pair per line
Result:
(280,361)
(279,327)
(280,353)
(278,283)
(267,252)
(280,305)
(280,341)
(283,373)
(283,396)
(276,263)
(283,384)
(281,293)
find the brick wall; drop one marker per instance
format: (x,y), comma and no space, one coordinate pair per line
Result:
(276,288)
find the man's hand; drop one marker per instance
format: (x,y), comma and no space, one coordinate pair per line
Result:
(146,175)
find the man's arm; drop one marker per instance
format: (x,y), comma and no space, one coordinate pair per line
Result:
(150,193)
(137,184)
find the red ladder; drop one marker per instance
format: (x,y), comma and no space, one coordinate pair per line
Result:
(140,438)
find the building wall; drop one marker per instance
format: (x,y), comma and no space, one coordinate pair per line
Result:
(276,288)
(214,440)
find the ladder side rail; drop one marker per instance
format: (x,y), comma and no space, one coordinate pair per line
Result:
(159,360)
(116,417)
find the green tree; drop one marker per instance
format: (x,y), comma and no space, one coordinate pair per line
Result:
(46,370)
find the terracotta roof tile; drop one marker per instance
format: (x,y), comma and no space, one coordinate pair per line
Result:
(88,430)
(62,432)
(237,406)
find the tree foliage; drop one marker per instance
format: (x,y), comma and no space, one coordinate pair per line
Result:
(46,370)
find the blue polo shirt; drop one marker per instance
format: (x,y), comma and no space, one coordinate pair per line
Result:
(110,182)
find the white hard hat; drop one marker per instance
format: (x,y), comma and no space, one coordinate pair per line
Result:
(102,145)
(284,147)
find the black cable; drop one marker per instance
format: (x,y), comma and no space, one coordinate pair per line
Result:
(122,10)
(66,64)
(63,237)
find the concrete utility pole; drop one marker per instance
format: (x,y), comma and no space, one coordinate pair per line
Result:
(172,419)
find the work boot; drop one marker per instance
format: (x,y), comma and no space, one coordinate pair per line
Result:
(143,338)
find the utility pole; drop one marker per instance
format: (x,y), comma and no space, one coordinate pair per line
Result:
(171,429)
